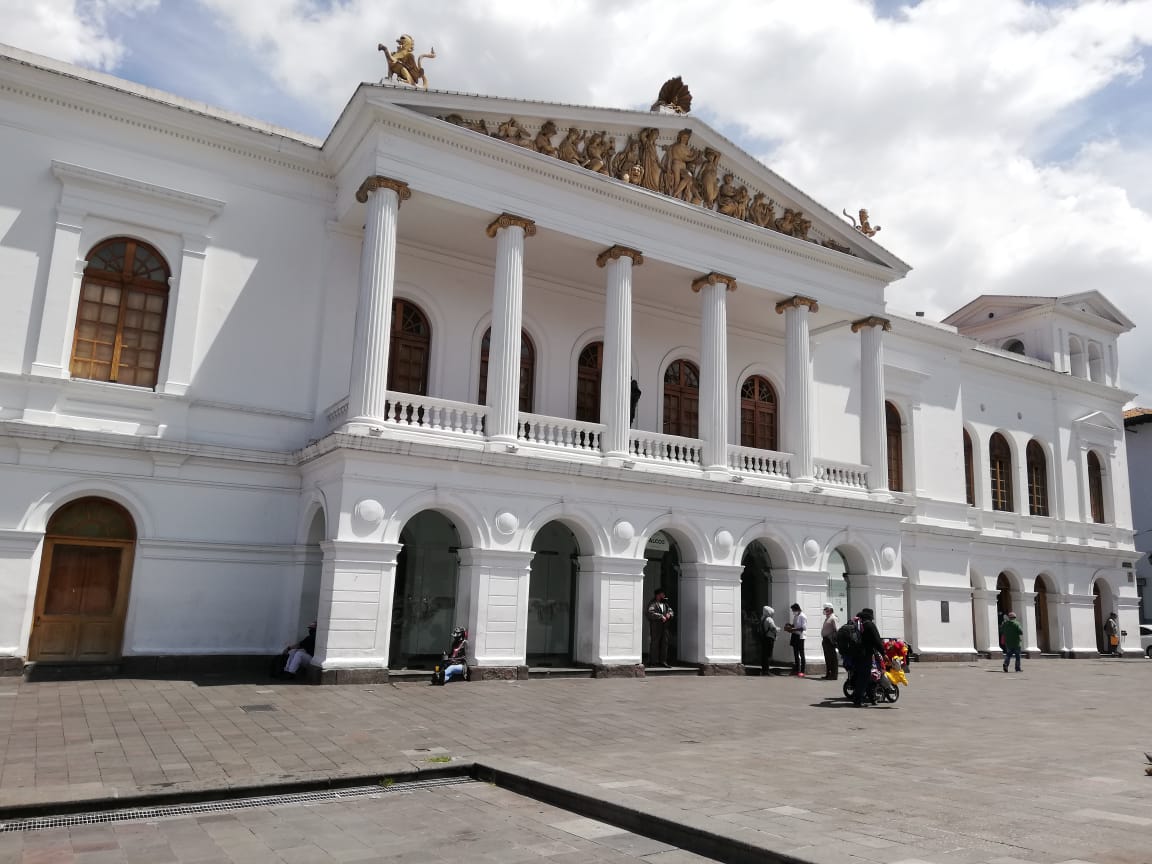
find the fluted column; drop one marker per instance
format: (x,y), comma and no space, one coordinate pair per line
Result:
(507,305)
(368,387)
(873,421)
(616,379)
(713,413)
(797,426)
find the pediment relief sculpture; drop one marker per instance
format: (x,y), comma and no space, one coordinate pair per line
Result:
(682,171)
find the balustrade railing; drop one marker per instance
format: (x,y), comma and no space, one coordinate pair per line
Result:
(443,415)
(846,474)
(558,432)
(763,463)
(665,448)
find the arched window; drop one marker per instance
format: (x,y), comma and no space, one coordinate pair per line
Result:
(589,368)
(682,399)
(895,448)
(120,317)
(1000,468)
(1015,346)
(969,471)
(1095,487)
(1037,479)
(410,349)
(1076,362)
(527,369)
(758,427)
(1095,362)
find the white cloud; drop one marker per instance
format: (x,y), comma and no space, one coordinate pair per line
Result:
(72,30)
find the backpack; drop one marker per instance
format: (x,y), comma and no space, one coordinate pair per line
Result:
(848,640)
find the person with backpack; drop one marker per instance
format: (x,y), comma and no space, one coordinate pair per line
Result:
(768,633)
(871,646)
(828,642)
(1010,634)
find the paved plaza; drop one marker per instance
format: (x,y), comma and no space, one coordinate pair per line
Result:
(972,765)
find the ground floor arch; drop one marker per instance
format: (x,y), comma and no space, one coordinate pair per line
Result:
(552,586)
(663,558)
(84,583)
(424,599)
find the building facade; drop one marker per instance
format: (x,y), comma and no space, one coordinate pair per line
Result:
(508,365)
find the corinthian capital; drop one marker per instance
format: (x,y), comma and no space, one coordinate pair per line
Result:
(377,182)
(795,302)
(871,321)
(714,279)
(507,220)
(614,253)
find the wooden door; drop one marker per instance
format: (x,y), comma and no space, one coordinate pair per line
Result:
(81,600)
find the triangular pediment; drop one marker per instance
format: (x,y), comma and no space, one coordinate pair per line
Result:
(678,157)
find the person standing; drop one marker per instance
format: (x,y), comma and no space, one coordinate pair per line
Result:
(796,628)
(768,633)
(1112,635)
(1010,634)
(871,647)
(828,642)
(659,616)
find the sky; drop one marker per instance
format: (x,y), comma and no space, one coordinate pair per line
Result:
(1004,146)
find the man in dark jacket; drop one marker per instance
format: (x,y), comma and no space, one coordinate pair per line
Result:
(871,645)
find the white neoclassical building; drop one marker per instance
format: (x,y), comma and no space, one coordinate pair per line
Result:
(510,365)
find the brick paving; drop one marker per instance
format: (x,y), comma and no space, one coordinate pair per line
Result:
(971,765)
(475,823)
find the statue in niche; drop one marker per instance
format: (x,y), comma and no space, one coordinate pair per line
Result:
(543,141)
(635,399)
(677,157)
(707,178)
(650,159)
(511,131)
(404,65)
(628,156)
(864,226)
(760,211)
(569,147)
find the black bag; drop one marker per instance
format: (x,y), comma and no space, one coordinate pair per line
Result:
(848,640)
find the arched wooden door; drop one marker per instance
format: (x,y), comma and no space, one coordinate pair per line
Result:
(682,399)
(85,575)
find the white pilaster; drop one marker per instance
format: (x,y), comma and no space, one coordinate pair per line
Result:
(616,377)
(713,290)
(495,585)
(797,428)
(354,622)
(710,613)
(368,387)
(873,421)
(610,606)
(504,348)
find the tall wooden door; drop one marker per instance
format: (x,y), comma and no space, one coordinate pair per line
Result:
(85,575)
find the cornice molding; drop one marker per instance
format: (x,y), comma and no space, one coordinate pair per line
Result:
(713,278)
(510,220)
(795,302)
(616,252)
(375,182)
(871,321)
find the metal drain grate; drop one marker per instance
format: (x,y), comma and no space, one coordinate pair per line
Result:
(139,814)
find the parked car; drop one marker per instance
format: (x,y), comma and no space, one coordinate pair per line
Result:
(1146,639)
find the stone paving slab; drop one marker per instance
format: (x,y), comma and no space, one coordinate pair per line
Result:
(972,765)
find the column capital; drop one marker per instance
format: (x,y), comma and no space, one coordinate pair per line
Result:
(795,301)
(376,181)
(508,220)
(714,278)
(871,321)
(613,253)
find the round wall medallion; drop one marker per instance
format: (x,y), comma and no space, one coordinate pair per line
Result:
(370,511)
(624,530)
(810,549)
(506,522)
(887,556)
(723,540)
